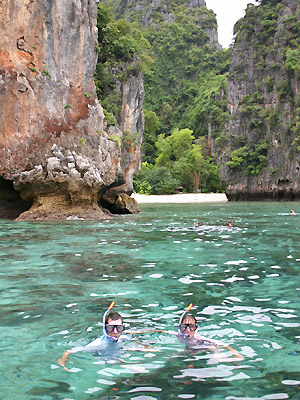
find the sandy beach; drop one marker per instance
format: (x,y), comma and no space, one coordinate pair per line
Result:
(180,198)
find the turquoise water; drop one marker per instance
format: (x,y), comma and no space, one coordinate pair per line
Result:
(58,278)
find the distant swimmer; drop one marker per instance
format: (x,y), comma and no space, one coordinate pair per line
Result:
(196,224)
(292,212)
(229,223)
(112,329)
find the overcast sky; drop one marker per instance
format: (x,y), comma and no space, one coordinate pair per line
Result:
(227,12)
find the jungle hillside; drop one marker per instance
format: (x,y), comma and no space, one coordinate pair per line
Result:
(213,117)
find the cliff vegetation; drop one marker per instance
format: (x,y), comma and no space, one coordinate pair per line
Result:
(185,87)
(240,106)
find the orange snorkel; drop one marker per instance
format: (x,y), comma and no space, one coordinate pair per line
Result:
(187,310)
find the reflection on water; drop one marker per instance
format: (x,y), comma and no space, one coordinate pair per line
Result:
(58,278)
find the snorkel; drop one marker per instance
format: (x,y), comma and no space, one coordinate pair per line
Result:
(113,339)
(184,335)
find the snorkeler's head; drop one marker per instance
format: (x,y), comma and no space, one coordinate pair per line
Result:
(188,326)
(113,326)
(113,316)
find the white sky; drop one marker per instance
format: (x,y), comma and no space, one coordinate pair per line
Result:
(227,12)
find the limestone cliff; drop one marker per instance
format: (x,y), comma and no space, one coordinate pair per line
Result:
(261,157)
(55,148)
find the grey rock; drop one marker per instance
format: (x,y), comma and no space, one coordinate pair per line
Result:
(59,155)
(53,165)
(82,164)
(279,179)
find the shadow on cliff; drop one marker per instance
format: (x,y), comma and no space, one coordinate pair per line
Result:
(11,204)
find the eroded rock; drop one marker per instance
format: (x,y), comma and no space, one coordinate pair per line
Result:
(54,143)
(125,205)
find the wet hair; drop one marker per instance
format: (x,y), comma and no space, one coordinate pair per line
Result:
(189,316)
(114,316)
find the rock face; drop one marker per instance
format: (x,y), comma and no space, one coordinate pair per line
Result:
(55,147)
(261,158)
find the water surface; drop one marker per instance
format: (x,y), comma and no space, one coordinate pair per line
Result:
(58,278)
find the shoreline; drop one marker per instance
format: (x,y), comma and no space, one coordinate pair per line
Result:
(181,198)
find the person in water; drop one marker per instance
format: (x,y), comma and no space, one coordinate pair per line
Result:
(112,330)
(292,212)
(229,223)
(187,331)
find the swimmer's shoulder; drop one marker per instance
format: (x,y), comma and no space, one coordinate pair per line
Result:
(95,344)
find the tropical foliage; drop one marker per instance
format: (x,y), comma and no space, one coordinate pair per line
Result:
(185,77)
(122,51)
(180,162)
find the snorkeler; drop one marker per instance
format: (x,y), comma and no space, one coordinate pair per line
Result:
(112,329)
(187,330)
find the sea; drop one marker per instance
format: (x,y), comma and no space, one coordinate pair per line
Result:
(58,278)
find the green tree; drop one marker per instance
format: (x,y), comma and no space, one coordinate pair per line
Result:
(182,155)
(155,180)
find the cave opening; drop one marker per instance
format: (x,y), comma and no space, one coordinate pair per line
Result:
(11,204)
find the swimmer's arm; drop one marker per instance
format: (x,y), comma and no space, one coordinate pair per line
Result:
(151,331)
(215,349)
(143,347)
(142,332)
(218,344)
(234,352)
(64,358)
(147,347)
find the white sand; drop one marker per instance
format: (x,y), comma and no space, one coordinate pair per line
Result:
(180,198)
